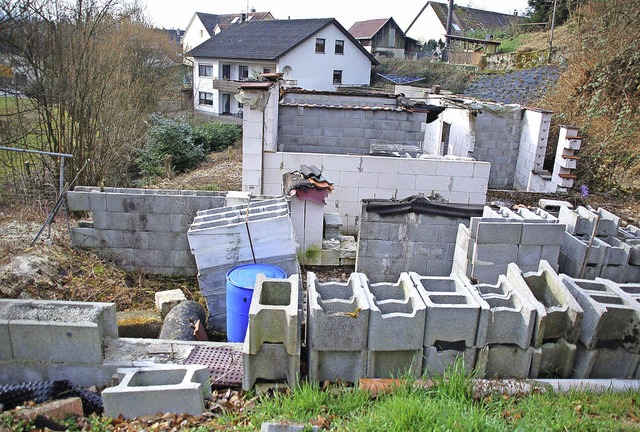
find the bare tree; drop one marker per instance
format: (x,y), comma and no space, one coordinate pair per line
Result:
(95,72)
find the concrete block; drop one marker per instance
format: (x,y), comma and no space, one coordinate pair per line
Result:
(272,362)
(583,248)
(435,362)
(507,361)
(332,224)
(582,221)
(618,251)
(273,314)
(330,258)
(529,254)
(396,315)
(452,309)
(338,314)
(286,427)
(490,254)
(634,251)
(558,314)
(610,314)
(394,364)
(166,300)
(553,206)
(496,232)
(556,360)
(545,234)
(615,273)
(346,366)
(604,363)
(551,254)
(6,353)
(148,390)
(510,318)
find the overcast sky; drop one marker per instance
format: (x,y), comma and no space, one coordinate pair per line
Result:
(176,14)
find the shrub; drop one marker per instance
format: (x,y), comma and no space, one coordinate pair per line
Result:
(169,140)
(216,136)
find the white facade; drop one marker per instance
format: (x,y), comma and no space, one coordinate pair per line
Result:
(310,70)
(427,26)
(195,34)
(315,71)
(221,101)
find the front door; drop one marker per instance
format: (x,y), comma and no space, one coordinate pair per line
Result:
(226,103)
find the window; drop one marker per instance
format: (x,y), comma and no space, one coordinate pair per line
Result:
(201,33)
(226,71)
(205,98)
(337,77)
(266,70)
(339,47)
(319,46)
(205,70)
(243,72)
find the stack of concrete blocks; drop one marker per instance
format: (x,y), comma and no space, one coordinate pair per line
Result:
(453,313)
(558,319)
(505,331)
(52,337)
(609,337)
(565,162)
(337,249)
(337,329)
(271,349)
(141,229)
(594,245)
(396,328)
(166,389)
(410,242)
(221,239)
(485,249)
(307,218)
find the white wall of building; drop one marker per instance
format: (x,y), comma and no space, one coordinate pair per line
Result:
(315,71)
(427,26)
(533,146)
(194,35)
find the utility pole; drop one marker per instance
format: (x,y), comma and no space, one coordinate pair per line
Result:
(447,42)
(553,24)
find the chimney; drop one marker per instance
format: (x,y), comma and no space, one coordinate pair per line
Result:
(252,10)
(243,17)
(515,13)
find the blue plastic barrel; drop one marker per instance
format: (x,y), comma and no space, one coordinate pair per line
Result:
(240,283)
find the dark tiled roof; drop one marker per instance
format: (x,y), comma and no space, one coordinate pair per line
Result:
(211,20)
(472,19)
(265,40)
(367,29)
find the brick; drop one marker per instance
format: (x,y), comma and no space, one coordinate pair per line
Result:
(55,410)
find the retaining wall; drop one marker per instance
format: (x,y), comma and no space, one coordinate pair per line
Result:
(141,229)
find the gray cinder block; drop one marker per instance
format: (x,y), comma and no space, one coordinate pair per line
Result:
(394,364)
(272,363)
(582,221)
(510,318)
(604,363)
(337,329)
(556,360)
(507,361)
(452,309)
(148,390)
(558,314)
(436,361)
(396,315)
(610,314)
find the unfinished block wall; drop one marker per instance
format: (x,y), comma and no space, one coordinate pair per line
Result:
(421,241)
(361,177)
(533,145)
(336,129)
(141,229)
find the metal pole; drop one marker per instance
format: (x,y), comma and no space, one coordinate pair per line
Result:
(447,40)
(553,24)
(61,174)
(36,152)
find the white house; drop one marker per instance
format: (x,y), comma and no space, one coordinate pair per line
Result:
(204,25)
(315,54)
(431,21)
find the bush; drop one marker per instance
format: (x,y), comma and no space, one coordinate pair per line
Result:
(216,136)
(169,141)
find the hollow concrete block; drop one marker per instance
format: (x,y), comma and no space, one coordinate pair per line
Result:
(604,363)
(396,315)
(271,363)
(148,390)
(273,314)
(610,314)
(337,329)
(435,362)
(452,309)
(558,314)
(507,361)
(510,318)
(394,364)
(556,360)
(581,221)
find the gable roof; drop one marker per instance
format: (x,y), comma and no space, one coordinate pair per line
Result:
(266,40)
(468,18)
(367,29)
(225,20)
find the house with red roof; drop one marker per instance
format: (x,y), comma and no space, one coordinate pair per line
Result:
(384,38)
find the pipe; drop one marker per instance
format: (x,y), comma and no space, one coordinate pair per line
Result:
(447,43)
(178,323)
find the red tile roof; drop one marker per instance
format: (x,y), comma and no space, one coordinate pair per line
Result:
(367,29)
